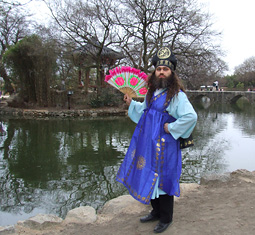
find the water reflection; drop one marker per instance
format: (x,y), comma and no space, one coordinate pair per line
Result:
(53,166)
(61,164)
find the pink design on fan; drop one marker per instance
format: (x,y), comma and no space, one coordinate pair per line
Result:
(143,91)
(119,81)
(108,77)
(112,72)
(125,69)
(143,75)
(133,81)
(118,70)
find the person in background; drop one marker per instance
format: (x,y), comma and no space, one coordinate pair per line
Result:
(216,84)
(152,166)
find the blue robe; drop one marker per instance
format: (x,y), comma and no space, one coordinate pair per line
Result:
(153,154)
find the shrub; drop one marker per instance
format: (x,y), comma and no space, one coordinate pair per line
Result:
(108,97)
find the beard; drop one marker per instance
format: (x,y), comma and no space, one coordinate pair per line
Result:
(161,82)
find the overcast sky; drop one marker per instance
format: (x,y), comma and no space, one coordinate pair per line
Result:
(235,19)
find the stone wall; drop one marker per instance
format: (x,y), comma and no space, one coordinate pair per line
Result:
(62,113)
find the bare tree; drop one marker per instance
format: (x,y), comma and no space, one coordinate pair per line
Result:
(180,24)
(245,72)
(88,25)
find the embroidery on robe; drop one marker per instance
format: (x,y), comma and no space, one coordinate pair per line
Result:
(141,163)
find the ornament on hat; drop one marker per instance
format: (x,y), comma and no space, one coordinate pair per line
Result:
(164,57)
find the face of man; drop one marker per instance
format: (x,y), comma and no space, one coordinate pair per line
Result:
(163,72)
(162,77)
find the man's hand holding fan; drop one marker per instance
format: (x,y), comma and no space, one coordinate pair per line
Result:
(127,99)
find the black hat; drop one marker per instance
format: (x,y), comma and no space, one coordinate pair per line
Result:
(164,57)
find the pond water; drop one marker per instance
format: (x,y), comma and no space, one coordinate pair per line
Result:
(52,166)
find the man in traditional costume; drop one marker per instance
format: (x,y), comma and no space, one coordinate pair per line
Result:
(152,167)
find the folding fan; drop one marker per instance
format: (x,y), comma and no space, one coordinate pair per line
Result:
(128,80)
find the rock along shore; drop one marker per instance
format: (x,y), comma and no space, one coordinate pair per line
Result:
(82,216)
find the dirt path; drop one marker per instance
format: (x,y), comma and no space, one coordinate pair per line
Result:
(215,207)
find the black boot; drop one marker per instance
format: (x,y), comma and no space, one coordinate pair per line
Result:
(166,204)
(148,218)
(161,227)
(154,215)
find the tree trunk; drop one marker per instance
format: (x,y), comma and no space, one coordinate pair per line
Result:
(99,79)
